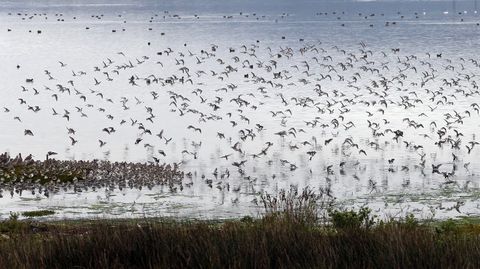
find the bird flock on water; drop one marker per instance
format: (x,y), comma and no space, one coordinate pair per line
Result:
(309,104)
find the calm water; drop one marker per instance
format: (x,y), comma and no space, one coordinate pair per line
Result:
(150,40)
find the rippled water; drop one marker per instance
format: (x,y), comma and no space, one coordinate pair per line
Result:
(319,33)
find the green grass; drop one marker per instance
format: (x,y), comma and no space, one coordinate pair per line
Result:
(37,213)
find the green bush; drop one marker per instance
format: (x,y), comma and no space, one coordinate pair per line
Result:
(411,221)
(351,220)
(449,226)
(13,224)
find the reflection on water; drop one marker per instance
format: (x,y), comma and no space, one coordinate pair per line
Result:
(366,99)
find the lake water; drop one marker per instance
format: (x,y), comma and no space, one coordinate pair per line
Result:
(227,54)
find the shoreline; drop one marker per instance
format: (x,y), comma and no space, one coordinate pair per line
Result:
(352,240)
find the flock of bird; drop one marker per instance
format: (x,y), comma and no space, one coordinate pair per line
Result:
(304,105)
(51,176)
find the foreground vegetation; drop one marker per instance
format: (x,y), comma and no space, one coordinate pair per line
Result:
(296,232)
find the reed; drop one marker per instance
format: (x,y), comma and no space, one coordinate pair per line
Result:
(282,238)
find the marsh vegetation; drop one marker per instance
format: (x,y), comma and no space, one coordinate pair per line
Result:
(295,232)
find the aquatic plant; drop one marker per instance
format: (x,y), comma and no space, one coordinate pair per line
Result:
(305,206)
(37,213)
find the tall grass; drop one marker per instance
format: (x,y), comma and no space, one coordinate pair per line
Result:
(283,238)
(236,245)
(294,206)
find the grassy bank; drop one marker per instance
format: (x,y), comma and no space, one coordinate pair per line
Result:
(292,234)
(265,243)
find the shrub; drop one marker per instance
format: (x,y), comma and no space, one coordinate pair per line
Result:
(351,220)
(449,226)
